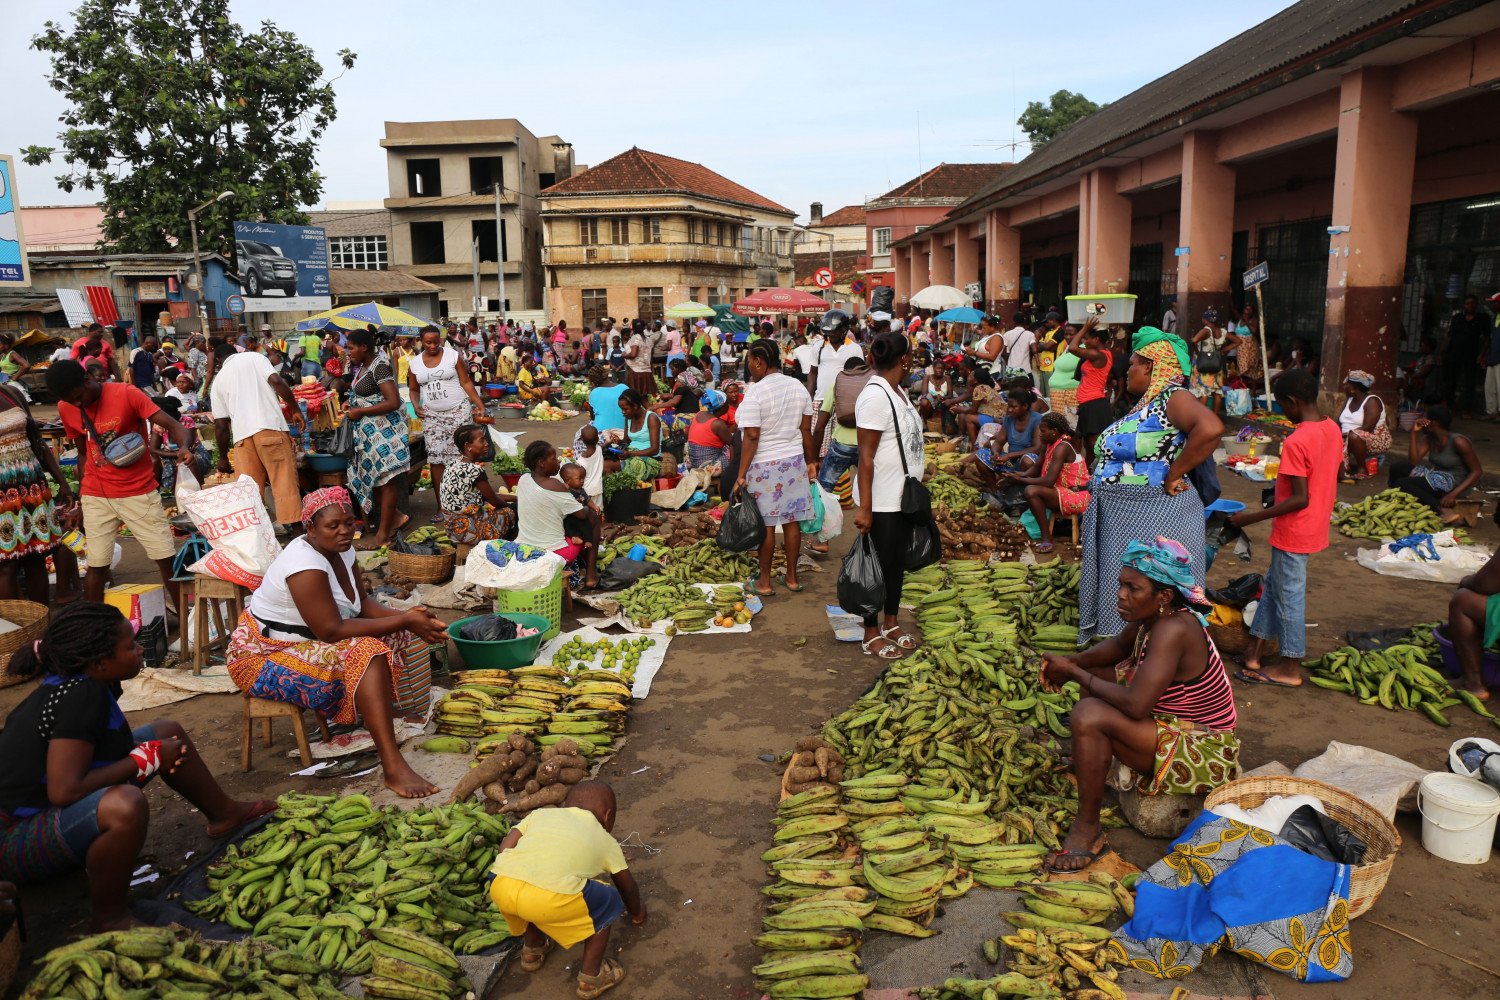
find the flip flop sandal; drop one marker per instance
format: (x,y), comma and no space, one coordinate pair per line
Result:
(1251,676)
(750,586)
(1092,855)
(1045,546)
(532,959)
(611,974)
(905,641)
(890,651)
(352,764)
(794,589)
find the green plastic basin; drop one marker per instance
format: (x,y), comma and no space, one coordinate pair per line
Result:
(506,654)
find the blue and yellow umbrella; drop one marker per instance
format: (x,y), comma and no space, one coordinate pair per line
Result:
(357,317)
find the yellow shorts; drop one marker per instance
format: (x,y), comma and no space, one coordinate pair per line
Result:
(143,515)
(563,918)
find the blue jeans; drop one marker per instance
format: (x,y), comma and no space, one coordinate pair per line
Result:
(1283,604)
(311,368)
(839,458)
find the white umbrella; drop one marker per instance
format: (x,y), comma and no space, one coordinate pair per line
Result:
(940,297)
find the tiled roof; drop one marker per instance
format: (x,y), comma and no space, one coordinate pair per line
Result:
(344,281)
(849,215)
(949,180)
(638,170)
(1300,32)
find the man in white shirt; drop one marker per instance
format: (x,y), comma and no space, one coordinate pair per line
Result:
(836,350)
(1018,344)
(246,398)
(1169,318)
(805,355)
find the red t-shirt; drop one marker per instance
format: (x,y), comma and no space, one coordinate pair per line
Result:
(119,409)
(106,350)
(1313,451)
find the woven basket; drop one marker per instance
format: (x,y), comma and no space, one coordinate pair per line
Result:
(424,569)
(32,617)
(1382,842)
(1233,640)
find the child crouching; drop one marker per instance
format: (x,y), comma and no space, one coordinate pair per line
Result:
(545,890)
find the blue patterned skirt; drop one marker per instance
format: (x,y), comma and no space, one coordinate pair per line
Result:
(380,451)
(1117,515)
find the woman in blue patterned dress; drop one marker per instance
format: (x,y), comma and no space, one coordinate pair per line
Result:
(380,449)
(1140,487)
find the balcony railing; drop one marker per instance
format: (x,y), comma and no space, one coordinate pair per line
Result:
(645,253)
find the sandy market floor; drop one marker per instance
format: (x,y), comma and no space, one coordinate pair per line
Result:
(697,796)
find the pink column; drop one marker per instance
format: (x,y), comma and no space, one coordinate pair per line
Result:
(1109,241)
(1206,229)
(1002,267)
(1081,279)
(1372,186)
(942,259)
(901,261)
(965,258)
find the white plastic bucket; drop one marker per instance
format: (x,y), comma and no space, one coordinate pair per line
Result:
(1458,817)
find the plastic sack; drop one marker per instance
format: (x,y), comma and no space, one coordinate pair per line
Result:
(1384,781)
(924,546)
(1237,402)
(623,572)
(742,528)
(833,515)
(1311,832)
(1240,591)
(861,586)
(1476,758)
(342,442)
(414,548)
(814,524)
(506,442)
(488,628)
(234,520)
(510,566)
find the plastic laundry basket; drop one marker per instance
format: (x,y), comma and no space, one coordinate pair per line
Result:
(546,601)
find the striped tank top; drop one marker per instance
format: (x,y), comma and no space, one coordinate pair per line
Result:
(1207,700)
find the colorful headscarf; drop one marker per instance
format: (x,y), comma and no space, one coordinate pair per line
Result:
(333,367)
(328,496)
(731,386)
(713,399)
(1167,561)
(1168,355)
(1361,378)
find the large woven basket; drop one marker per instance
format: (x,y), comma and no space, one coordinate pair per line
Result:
(32,617)
(1233,640)
(1382,842)
(424,569)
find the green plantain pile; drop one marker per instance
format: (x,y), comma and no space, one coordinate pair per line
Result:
(405,965)
(948,491)
(1387,514)
(545,703)
(173,964)
(327,872)
(705,562)
(1395,677)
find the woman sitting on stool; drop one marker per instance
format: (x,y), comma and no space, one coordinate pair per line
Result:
(1061,483)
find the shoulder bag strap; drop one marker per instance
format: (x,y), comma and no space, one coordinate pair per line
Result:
(896,421)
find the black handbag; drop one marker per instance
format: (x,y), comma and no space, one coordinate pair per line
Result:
(342,443)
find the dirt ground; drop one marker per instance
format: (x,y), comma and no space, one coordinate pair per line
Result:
(696,797)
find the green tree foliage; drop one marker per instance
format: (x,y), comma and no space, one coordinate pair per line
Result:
(1044,122)
(172,102)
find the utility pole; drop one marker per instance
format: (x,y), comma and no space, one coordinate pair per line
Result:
(500,251)
(477,302)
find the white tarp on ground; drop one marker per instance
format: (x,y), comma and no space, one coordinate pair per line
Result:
(1454,561)
(614,616)
(645,670)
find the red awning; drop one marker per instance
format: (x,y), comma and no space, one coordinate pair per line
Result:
(770,301)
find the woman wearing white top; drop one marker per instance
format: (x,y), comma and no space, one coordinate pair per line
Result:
(438,383)
(777,461)
(887,424)
(312,637)
(542,501)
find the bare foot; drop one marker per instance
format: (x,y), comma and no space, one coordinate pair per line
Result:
(242,813)
(407,783)
(1478,690)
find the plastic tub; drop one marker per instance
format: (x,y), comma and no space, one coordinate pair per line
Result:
(545,602)
(504,655)
(1489,666)
(1111,308)
(1234,446)
(320,462)
(1458,817)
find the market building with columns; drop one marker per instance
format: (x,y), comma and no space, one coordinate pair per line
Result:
(1353,147)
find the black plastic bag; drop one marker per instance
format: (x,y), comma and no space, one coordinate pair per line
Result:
(861,582)
(742,528)
(1240,592)
(1313,833)
(621,573)
(342,441)
(488,628)
(924,546)
(414,548)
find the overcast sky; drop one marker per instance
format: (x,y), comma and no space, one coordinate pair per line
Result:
(800,101)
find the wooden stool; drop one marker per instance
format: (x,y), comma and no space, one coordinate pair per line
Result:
(265,711)
(1074,519)
(219,598)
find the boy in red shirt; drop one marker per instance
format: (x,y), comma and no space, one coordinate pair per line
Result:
(1305,491)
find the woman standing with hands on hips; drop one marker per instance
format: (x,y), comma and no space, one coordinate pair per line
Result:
(438,383)
(381,454)
(890,449)
(777,460)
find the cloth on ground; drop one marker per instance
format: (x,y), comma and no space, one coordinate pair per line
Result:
(154,687)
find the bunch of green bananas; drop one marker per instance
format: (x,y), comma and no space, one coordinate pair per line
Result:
(652,598)
(327,871)
(1395,677)
(405,965)
(1054,597)
(656,548)
(548,704)
(1387,514)
(952,493)
(705,562)
(171,963)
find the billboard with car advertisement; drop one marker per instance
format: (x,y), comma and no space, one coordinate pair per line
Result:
(13,271)
(282,268)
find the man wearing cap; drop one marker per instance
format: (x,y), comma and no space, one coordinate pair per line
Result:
(246,400)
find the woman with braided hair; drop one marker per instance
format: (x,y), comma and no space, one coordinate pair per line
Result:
(71,789)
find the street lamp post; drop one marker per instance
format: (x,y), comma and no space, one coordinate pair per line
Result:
(197,257)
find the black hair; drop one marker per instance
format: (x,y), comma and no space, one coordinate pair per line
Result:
(464,433)
(171,404)
(429,328)
(678,361)
(1298,384)
(1021,397)
(571,465)
(887,350)
(64,376)
(1018,318)
(534,453)
(628,396)
(852,363)
(362,338)
(1440,415)
(1057,422)
(767,351)
(79,636)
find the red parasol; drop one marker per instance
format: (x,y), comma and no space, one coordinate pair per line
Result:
(771,301)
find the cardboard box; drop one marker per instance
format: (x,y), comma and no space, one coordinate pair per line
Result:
(142,603)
